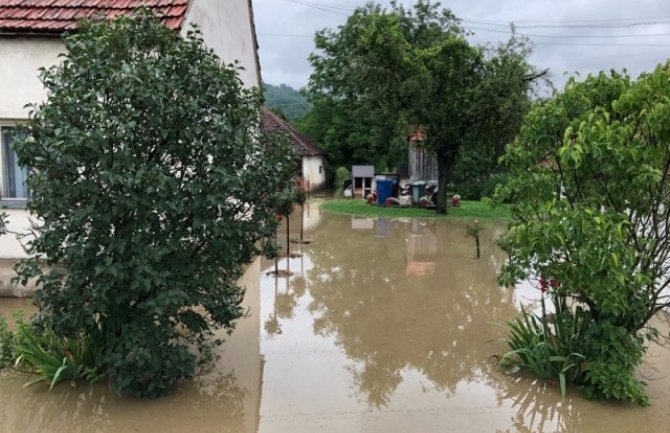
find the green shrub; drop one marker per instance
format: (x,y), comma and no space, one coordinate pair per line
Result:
(590,206)
(51,358)
(155,188)
(478,188)
(341,175)
(613,354)
(6,348)
(550,346)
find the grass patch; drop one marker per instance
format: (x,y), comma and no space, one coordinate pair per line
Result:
(467,209)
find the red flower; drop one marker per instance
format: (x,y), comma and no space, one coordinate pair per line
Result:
(543,285)
(554,284)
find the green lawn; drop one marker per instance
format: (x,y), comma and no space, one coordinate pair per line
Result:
(467,209)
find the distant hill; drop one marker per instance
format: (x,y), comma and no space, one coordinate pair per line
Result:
(286,99)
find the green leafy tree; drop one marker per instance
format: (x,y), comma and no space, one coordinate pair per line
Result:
(385,72)
(592,212)
(154,189)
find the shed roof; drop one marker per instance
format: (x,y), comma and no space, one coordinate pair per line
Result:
(58,16)
(302,146)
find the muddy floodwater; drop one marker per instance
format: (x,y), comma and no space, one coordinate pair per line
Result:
(384,326)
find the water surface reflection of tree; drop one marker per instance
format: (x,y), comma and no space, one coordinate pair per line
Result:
(214,402)
(387,318)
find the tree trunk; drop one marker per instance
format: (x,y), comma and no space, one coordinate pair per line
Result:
(443,173)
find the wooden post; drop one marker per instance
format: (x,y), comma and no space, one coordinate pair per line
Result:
(302,220)
(277,254)
(288,241)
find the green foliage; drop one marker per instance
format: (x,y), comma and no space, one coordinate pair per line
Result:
(6,348)
(154,189)
(550,346)
(479,188)
(286,100)
(472,230)
(3,223)
(387,71)
(342,174)
(613,353)
(54,359)
(476,172)
(591,208)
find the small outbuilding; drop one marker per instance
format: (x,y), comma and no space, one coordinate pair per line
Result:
(311,156)
(362,177)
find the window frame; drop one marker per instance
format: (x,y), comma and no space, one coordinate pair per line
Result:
(8,202)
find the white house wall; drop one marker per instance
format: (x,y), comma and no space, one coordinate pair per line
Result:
(314,171)
(20,60)
(226,29)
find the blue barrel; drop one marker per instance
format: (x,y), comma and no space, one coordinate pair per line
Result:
(384,190)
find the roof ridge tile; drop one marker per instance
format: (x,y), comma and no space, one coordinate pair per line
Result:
(57,16)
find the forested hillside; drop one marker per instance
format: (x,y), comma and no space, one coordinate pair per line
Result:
(286,99)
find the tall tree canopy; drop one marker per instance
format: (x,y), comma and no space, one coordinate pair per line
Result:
(387,71)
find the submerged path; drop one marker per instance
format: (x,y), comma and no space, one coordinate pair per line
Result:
(386,325)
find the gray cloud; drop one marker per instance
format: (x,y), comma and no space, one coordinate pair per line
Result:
(282,25)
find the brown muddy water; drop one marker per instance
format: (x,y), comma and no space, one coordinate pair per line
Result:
(385,326)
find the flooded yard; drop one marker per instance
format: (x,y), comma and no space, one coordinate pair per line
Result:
(385,326)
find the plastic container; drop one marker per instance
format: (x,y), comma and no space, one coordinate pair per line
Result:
(418,191)
(384,190)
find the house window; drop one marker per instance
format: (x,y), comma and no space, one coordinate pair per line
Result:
(13,176)
(320,169)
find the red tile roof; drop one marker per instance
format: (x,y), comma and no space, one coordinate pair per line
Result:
(270,122)
(58,16)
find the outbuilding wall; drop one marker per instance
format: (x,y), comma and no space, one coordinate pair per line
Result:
(314,171)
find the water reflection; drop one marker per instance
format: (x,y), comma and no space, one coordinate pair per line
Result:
(413,298)
(224,398)
(389,325)
(383,327)
(218,405)
(529,399)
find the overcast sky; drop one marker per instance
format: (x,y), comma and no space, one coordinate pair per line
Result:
(570,36)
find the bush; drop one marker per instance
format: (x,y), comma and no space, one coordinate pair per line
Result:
(54,359)
(155,189)
(341,175)
(550,346)
(590,205)
(6,348)
(478,188)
